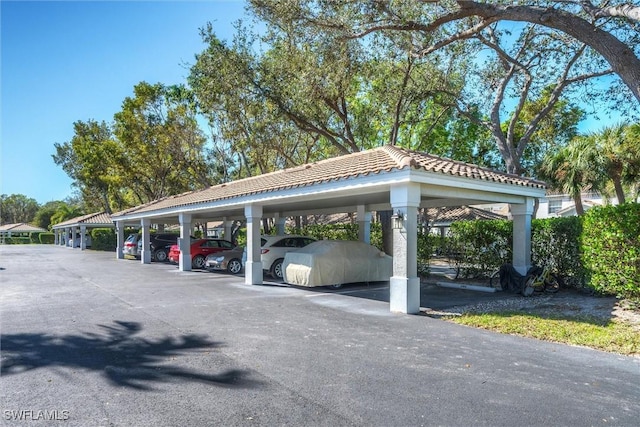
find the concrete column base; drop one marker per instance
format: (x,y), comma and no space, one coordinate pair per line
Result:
(253,273)
(404,295)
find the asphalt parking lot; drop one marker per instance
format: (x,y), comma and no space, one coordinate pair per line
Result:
(88,340)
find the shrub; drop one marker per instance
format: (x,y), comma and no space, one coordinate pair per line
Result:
(15,240)
(480,246)
(611,249)
(331,231)
(35,236)
(47,238)
(555,243)
(103,239)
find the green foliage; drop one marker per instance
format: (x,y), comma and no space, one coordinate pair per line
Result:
(35,236)
(427,244)
(611,248)
(93,160)
(17,208)
(103,239)
(65,212)
(17,240)
(481,247)
(47,238)
(45,212)
(555,243)
(161,146)
(332,231)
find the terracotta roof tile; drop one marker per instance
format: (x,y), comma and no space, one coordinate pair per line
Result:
(98,218)
(20,227)
(461,213)
(375,161)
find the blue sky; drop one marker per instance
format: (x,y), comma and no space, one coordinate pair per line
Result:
(68,61)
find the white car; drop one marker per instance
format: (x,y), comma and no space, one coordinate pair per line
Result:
(336,262)
(274,249)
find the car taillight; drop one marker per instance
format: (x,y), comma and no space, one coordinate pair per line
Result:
(264,251)
(130,244)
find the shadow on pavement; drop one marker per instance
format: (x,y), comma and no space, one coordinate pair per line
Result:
(123,358)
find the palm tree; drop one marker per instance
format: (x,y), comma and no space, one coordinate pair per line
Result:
(617,152)
(571,169)
(65,212)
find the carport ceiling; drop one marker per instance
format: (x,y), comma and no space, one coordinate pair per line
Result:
(341,184)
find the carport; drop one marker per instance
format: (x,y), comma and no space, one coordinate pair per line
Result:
(73,232)
(385,178)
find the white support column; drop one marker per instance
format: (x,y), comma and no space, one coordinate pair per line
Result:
(56,237)
(405,283)
(74,233)
(145,256)
(522,214)
(83,237)
(364,224)
(280,223)
(119,239)
(184,263)
(253,266)
(227,224)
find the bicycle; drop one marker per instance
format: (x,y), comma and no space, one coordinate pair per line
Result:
(537,280)
(540,279)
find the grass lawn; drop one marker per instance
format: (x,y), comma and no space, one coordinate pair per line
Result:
(609,336)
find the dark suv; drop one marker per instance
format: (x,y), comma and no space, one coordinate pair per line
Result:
(160,244)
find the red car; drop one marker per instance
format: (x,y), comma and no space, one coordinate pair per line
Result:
(200,248)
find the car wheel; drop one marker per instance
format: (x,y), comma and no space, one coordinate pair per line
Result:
(336,286)
(234,266)
(160,255)
(198,262)
(276,269)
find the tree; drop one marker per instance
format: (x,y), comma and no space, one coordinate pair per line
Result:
(17,208)
(616,152)
(161,145)
(558,45)
(570,169)
(45,212)
(93,159)
(609,157)
(65,212)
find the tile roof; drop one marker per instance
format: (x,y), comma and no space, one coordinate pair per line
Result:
(98,218)
(363,163)
(461,213)
(20,227)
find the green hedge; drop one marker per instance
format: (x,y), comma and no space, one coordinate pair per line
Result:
(103,239)
(17,240)
(47,238)
(480,247)
(35,236)
(555,243)
(611,249)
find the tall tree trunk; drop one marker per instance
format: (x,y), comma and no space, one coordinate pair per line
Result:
(577,199)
